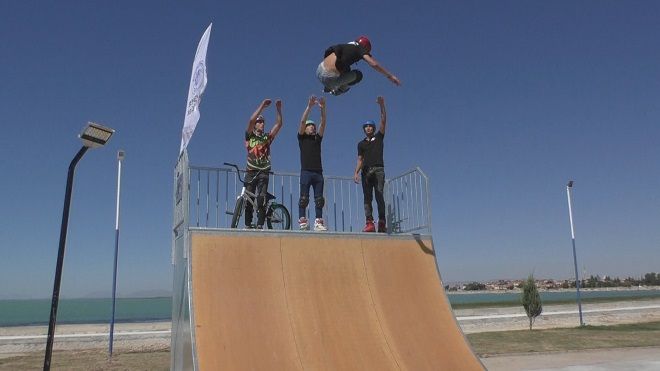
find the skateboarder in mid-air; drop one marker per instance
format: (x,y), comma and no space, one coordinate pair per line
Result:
(335,72)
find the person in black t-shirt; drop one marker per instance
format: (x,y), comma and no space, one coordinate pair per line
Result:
(335,72)
(311,170)
(370,163)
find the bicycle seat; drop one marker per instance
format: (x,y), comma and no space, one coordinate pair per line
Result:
(269,196)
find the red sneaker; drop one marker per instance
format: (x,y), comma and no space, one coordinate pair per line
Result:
(369,227)
(382,227)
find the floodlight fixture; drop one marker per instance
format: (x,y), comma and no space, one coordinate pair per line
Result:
(95,135)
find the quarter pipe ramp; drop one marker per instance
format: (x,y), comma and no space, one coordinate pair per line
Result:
(314,301)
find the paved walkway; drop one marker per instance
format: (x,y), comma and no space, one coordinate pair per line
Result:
(619,359)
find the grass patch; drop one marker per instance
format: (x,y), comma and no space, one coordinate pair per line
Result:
(83,360)
(516,302)
(565,339)
(485,343)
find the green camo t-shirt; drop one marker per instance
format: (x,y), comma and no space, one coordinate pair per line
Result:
(258,148)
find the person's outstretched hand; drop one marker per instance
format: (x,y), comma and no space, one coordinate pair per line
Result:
(395,80)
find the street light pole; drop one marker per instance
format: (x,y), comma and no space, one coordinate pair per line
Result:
(93,136)
(120,157)
(60,256)
(569,188)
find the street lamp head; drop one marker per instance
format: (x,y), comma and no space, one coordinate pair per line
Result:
(95,135)
(570,184)
(121,154)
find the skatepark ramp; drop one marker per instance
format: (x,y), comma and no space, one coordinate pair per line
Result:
(290,300)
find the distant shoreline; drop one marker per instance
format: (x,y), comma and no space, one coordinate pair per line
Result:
(34,312)
(91,298)
(87,322)
(449,292)
(516,303)
(592,289)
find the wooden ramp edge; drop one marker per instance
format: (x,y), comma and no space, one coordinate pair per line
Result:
(309,301)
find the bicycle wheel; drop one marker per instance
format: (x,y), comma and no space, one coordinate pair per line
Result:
(278,217)
(238,210)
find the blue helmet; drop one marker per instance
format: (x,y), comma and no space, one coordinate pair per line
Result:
(369,123)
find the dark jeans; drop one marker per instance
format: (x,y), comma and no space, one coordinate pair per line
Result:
(315,180)
(373,179)
(258,186)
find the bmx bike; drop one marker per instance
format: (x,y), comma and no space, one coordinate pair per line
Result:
(277,215)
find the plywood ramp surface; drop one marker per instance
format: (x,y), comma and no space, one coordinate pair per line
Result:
(413,309)
(333,318)
(241,318)
(322,302)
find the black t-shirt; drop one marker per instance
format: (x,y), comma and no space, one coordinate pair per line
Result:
(310,152)
(347,54)
(371,150)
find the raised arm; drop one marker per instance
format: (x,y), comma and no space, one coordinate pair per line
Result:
(305,115)
(376,66)
(383,114)
(322,125)
(257,112)
(278,120)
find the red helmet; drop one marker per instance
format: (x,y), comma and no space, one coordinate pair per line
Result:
(364,42)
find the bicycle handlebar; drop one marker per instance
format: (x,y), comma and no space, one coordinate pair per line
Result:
(238,171)
(232,165)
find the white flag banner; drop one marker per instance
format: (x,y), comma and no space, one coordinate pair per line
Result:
(197,86)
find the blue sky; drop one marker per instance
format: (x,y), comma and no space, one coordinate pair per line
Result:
(501,103)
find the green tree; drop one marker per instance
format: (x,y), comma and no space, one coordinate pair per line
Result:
(592,281)
(531,300)
(474,286)
(650,278)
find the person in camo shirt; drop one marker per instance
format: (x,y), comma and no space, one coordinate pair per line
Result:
(257,143)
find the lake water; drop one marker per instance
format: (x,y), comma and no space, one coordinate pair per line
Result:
(37,311)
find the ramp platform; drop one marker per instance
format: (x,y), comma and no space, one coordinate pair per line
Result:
(314,301)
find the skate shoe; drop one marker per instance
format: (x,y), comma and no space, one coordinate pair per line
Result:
(319,225)
(382,226)
(369,227)
(303,224)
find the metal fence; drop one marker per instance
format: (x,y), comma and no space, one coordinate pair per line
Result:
(213,193)
(407,202)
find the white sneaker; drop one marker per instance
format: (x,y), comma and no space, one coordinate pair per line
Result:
(319,225)
(302,222)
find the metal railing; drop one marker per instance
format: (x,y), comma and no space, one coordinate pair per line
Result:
(213,193)
(407,202)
